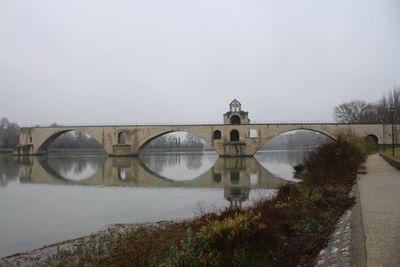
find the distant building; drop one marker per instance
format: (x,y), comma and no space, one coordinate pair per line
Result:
(235,115)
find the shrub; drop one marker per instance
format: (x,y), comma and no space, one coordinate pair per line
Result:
(305,225)
(215,241)
(334,160)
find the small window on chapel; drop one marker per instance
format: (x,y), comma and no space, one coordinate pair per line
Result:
(217,134)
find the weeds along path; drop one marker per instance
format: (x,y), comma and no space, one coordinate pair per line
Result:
(380,207)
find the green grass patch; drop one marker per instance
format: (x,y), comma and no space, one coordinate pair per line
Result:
(389,153)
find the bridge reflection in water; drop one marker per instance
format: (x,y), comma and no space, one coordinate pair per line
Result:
(237,176)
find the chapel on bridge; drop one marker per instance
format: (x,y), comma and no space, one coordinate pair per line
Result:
(235,115)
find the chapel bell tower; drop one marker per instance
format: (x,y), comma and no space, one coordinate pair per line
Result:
(235,115)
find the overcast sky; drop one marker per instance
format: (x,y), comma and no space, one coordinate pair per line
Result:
(167,61)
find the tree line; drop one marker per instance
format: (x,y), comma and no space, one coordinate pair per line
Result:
(358,111)
(9,133)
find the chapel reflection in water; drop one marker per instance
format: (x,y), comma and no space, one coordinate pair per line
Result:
(237,176)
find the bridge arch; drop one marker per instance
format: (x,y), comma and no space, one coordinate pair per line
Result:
(152,137)
(147,140)
(324,133)
(372,139)
(48,140)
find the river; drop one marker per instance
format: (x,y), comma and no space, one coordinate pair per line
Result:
(52,198)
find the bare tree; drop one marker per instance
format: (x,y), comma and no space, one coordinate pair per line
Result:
(353,112)
(393,99)
(383,106)
(383,110)
(361,112)
(9,133)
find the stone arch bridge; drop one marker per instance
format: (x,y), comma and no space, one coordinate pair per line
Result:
(228,139)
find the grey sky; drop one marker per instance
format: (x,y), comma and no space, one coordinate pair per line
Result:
(120,61)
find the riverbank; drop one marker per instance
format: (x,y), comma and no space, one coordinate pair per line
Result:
(346,246)
(288,230)
(48,254)
(120,244)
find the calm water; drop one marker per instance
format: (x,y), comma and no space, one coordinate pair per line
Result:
(49,199)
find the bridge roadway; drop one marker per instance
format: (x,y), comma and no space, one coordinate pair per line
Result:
(226,139)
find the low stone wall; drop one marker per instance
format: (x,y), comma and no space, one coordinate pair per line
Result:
(346,246)
(395,163)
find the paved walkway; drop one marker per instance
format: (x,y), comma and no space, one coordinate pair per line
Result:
(380,207)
